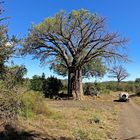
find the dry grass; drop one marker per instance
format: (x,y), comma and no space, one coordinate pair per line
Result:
(81,120)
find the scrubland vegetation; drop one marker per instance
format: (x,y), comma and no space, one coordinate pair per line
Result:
(65,119)
(52,109)
(31,112)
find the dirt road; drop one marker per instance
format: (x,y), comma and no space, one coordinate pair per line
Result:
(129,122)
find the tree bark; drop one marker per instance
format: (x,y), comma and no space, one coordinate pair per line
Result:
(75,88)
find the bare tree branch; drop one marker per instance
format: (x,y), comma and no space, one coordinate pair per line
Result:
(119,73)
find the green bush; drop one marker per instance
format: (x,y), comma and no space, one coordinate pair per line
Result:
(137,89)
(81,135)
(123,86)
(89,89)
(96,118)
(53,86)
(137,80)
(33,103)
(36,83)
(9,105)
(102,88)
(50,86)
(95,89)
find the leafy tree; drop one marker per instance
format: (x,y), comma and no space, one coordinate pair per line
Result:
(36,83)
(7,44)
(50,86)
(53,86)
(137,80)
(119,73)
(43,76)
(44,84)
(74,41)
(14,75)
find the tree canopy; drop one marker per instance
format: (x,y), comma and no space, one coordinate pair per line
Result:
(94,68)
(7,44)
(78,36)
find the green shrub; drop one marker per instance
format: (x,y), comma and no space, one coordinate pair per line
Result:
(137,89)
(53,86)
(9,105)
(96,118)
(49,87)
(36,83)
(102,88)
(81,135)
(33,103)
(95,89)
(137,80)
(89,89)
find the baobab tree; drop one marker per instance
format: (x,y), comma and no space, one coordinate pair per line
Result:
(74,40)
(119,73)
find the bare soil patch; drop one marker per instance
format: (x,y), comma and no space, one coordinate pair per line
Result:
(129,121)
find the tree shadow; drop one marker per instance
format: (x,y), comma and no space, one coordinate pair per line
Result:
(137,137)
(10,133)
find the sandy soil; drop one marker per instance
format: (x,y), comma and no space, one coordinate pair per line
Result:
(129,121)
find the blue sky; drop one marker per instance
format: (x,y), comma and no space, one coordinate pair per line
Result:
(122,16)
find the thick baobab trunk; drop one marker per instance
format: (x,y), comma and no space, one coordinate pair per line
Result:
(75,87)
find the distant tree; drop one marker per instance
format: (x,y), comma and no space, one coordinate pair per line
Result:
(137,80)
(36,83)
(74,41)
(119,73)
(43,76)
(44,84)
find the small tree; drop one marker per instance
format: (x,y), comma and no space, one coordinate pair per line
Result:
(13,75)
(119,73)
(53,86)
(137,80)
(7,44)
(36,83)
(9,76)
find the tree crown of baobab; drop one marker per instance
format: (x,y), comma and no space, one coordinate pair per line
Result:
(74,39)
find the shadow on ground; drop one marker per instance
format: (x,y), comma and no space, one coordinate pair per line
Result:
(130,96)
(118,101)
(10,133)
